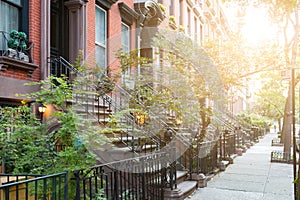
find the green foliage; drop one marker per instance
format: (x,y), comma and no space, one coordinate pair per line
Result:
(253,119)
(194,75)
(271,101)
(19,135)
(100,195)
(17,40)
(55,91)
(131,59)
(26,145)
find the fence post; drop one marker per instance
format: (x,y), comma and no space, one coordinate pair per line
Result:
(116,188)
(143,180)
(77,179)
(66,189)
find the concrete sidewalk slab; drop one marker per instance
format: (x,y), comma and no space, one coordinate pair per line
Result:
(251,177)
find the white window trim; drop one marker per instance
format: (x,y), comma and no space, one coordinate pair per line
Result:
(105,42)
(127,74)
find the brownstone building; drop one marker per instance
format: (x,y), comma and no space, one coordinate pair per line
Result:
(60,29)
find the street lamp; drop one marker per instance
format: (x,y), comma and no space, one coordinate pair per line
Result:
(42,108)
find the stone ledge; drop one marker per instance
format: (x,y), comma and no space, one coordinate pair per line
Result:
(6,62)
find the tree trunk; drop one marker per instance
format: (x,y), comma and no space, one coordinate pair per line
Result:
(279,125)
(287,122)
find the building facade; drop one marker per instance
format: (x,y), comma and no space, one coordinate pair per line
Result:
(95,29)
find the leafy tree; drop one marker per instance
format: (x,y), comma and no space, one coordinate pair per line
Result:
(182,57)
(31,147)
(285,14)
(254,119)
(237,61)
(270,102)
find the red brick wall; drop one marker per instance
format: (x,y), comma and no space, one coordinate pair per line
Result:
(35,33)
(90,32)
(34,36)
(113,34)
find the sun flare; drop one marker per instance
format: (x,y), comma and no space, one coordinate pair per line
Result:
(257,26)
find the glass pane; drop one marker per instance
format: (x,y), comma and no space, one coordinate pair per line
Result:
(16,1)
(100,26)
(9,17)
(9,20)
(101,57)
(125,38)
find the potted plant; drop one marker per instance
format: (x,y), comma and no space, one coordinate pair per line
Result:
(172,22)
(162,7)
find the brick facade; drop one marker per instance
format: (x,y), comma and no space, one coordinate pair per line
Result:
(34,36)
(42,48)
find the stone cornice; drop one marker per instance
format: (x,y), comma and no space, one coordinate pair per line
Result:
(150,12)
(106,3)
(127,14)
(74,4)
(6,62)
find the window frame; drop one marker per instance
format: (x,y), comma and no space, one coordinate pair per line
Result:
(128,71)
(23,10)
(97,43)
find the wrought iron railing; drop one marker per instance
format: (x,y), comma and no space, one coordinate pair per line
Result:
(227,144)
(61,67)
(99,107)
(276,142)
(53,186)
(139,178)
(201,157)
(281,157)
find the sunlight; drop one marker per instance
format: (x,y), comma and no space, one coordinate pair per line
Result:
(257,27)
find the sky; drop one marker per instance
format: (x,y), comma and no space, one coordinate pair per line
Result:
(256,26)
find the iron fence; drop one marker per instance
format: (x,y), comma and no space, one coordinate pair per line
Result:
(281,157)
(201,157)
(141,178)
(33,187)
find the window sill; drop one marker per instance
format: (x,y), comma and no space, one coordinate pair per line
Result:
(6,62)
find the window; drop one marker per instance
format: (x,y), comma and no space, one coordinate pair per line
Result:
(195,30)
(126,42)
(181,12)
(10,15)
(13,16)
(101,43)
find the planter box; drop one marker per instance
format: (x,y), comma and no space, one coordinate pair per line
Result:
(239,151)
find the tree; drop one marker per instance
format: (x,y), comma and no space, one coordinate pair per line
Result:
(285,13)
(270,102)
(186,63)
(238,62)
(27,142)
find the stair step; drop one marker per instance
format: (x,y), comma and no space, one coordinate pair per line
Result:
(90,102)
(181,176)
(187,187)
(127,139)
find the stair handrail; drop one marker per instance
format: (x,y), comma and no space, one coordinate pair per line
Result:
(68,71)
(112,103)
(191,130)
(160,121)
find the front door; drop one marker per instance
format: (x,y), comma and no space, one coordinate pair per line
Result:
(59,29)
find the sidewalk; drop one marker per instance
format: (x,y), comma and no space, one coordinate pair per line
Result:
(251,177)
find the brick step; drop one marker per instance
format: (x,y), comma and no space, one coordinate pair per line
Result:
(183,190)
(187,187)
(181,176)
